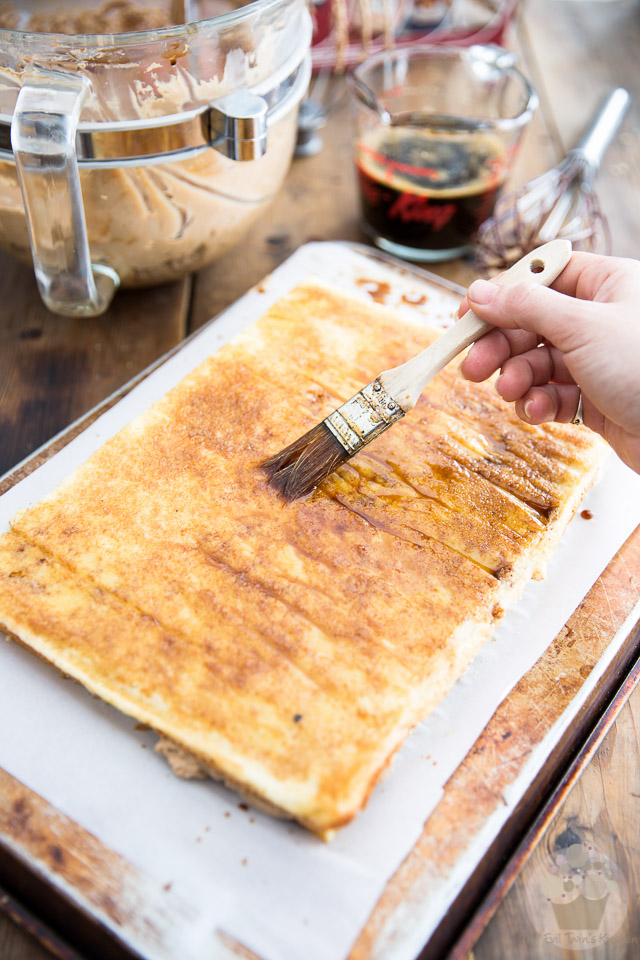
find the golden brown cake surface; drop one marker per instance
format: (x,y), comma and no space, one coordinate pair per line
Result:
(290,648)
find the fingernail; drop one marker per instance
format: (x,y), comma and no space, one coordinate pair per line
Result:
(482,291)
(528,408)
(461,372)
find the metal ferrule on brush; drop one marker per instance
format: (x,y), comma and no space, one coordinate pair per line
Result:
(364,417)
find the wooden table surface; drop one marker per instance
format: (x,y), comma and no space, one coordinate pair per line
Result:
(52,370)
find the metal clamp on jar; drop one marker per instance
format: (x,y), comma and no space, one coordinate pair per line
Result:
(116,163)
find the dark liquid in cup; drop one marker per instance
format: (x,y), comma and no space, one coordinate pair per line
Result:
(426,191)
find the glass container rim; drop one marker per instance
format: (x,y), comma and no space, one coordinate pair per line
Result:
(178,31)
(423,51)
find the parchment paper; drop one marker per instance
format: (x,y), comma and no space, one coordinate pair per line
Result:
(278,890)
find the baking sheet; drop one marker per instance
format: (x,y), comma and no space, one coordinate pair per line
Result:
(274,888)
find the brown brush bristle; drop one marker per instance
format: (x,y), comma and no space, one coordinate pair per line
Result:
(298,469)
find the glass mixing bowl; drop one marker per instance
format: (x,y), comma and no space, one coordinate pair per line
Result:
(134,158)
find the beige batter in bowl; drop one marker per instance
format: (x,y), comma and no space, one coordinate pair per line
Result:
(136,158)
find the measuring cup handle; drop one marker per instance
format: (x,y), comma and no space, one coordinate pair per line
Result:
(43,136)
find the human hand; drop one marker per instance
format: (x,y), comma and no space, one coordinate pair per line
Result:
(583,330)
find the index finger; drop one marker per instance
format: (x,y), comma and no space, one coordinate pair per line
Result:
(582,271)
(581,265)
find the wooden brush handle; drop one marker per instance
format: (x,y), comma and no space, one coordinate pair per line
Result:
(406,382)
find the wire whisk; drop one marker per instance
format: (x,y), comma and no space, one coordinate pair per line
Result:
(560,203)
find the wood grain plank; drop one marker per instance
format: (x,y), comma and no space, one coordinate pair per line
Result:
(603,809)
(19,930)
(53,369)
(18,945)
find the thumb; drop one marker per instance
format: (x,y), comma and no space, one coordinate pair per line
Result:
(565,321)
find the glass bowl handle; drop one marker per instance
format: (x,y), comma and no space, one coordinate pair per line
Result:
(43,137)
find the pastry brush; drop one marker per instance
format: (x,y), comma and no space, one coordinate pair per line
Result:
(300,467)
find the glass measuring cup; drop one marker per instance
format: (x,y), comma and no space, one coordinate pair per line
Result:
(436,129)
